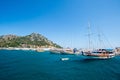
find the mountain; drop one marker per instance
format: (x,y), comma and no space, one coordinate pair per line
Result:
(33,40)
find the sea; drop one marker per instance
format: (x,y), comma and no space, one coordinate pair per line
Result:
(32,65)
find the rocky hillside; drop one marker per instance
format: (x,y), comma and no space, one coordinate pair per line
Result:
(33,40)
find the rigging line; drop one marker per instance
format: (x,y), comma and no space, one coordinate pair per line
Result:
(107,40)
(89,37)
(98,39)
(103,42)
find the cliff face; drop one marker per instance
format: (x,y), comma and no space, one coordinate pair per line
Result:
(33,40)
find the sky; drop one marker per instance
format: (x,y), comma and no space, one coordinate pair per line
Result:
(65,22)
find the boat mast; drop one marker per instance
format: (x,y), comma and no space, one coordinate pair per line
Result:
(100,40)
(89,35)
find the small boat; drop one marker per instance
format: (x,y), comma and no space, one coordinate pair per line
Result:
(69,51)
(55,51)
(39,50)
(63,59)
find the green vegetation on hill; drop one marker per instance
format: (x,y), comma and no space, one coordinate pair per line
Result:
(33,40)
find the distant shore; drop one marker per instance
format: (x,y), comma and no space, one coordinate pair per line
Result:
(34,49)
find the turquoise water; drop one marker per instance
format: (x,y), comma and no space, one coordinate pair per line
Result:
(31,65)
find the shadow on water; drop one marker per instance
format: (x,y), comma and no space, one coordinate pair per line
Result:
(89,60)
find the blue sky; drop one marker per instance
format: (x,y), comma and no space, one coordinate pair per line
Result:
(62,21)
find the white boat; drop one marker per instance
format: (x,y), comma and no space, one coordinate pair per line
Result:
(70,51)
(55,51)
(63,59)
(67,51)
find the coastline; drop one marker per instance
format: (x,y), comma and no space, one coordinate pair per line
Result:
(33,49)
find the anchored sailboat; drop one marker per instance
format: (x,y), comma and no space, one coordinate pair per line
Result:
(97,53)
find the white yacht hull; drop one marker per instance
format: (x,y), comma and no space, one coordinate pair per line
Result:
(98,56)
